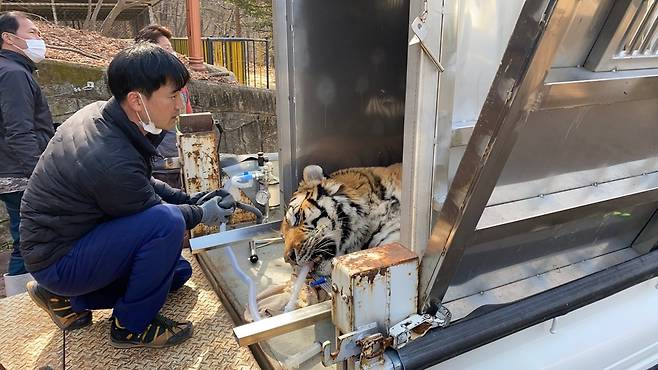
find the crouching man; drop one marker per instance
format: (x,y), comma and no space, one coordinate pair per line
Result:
(97,230)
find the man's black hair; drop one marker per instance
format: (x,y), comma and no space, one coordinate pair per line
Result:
(9,22)
(144,67)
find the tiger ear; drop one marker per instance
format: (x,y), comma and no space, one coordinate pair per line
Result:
(313,173)
(333,187)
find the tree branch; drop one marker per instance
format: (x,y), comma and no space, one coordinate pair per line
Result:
(75,50)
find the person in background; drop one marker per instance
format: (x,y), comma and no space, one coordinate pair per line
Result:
(168,148)
(26,124)
(97,230)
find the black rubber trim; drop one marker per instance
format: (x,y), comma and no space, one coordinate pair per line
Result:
(441,344)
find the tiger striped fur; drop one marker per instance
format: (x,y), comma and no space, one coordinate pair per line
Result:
(351,210)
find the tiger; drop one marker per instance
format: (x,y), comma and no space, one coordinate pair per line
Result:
(352,209)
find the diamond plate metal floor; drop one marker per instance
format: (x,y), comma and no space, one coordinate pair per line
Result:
(29,339)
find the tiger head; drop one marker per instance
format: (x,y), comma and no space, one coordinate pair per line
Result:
(323,220)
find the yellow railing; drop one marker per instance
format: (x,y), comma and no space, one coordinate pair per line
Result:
(248,59)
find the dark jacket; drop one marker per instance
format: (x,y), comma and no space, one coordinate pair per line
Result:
(97,167)
(26,124)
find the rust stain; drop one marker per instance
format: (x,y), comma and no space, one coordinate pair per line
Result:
(370,275)
(371,261)
(422,328)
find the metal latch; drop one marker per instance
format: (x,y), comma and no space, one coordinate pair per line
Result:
(415,326)
(373,346)
(348,345)
(420,28)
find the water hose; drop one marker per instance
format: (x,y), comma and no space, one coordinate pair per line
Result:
(301,279)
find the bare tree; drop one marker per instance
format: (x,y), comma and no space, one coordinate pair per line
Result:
(119,7)
(238,21)
(220,17)
(92,17)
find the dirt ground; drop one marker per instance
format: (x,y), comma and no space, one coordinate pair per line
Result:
(88,47)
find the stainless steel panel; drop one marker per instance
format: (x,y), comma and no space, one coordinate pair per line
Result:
(444,114)
(582,32)
(577,87)
(571,148)
(420,113)
(472,38)
(629,39)
(285,104)
(546,210)
(534,284)
(521,254)
(483,33)
(271,327)
(347,65)
(513,95)
(231,236)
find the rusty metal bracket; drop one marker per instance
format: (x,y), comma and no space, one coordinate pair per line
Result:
(348,345)
(416,326)
(373,346)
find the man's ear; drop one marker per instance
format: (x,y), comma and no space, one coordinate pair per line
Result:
(134,102)
(5,38)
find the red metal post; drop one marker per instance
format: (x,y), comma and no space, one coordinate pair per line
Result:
(194,35)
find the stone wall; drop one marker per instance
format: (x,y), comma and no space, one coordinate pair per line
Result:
(247,115)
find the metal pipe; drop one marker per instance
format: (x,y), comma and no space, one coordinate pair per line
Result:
(281,324)
(211,51)
(252,209)
(267,63)
(194,35)
(235,235)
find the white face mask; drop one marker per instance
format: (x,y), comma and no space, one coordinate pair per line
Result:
(148,126)
(36,49)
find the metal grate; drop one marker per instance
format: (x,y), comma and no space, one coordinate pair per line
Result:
(629,39)
(641,37)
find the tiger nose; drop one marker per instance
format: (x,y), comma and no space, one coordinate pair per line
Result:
(290,256)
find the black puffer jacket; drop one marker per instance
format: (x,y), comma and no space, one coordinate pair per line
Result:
(26,124)
(97,167)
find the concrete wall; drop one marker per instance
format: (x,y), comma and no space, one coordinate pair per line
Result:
(247,115)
